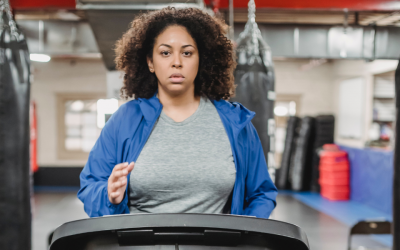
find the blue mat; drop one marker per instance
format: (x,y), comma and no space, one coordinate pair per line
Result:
(347,212)
(371,177)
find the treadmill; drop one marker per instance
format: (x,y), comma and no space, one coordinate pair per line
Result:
(170,231)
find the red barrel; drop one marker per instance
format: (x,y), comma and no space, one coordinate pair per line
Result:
(334,170)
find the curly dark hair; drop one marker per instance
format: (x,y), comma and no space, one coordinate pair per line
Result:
(216,54)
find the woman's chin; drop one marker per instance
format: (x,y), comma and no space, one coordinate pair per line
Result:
(176,89)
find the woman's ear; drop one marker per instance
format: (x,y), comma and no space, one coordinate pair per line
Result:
(150,64)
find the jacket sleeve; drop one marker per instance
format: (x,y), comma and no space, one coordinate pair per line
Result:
(260,192)
(94,176)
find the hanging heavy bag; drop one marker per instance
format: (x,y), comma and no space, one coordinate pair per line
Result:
(253,85)
(396,175)
(282,181)
(301,162)
(255,80)
(15,206)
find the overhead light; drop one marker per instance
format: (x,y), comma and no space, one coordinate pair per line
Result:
(281,111)
(77,106)
(292,108)
(40,57)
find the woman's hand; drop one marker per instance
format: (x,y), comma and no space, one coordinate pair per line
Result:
(117,182)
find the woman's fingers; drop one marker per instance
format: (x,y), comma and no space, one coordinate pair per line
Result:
(130,167)
(114,195)
(117,174)
(118,184)
(120,166)
(122,169)
(117,181)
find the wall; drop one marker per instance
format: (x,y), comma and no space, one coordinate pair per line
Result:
(345,69)
(61,76)
(317,87)
(314,85)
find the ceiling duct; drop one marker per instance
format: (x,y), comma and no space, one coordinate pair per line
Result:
(62,39)
(110,19)
(67,39)
(329,42)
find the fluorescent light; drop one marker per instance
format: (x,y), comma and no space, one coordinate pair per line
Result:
(281,111)
(40,57)
(292,108)
(77,106)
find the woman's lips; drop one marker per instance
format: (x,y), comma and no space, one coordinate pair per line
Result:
(177,79)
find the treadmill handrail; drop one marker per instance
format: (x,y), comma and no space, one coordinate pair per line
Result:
(171,220)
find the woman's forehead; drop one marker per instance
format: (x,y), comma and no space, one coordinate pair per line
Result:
(175,36)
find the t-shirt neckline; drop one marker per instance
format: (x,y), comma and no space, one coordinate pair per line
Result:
(191,118)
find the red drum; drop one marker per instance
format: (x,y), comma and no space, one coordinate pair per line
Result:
(334,175)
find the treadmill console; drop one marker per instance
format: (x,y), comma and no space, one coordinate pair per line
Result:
(178,232)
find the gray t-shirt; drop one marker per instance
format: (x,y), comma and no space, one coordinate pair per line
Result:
(184,167)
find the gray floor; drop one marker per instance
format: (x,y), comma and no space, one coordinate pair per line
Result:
(50,210)
(323,232)
(53,209)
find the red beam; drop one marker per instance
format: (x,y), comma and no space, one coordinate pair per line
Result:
(42,4)
(360,5)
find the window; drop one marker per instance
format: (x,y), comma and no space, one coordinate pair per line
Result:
(80,120)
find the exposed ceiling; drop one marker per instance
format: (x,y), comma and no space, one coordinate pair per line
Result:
(262,16)
(294,33)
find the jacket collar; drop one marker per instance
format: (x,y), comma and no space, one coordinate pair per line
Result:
(150,107)
(238,115)
(235,113)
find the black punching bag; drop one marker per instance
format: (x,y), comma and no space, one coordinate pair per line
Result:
(255,80)
(282,181)
(396,178)
(15,206)
(301,161)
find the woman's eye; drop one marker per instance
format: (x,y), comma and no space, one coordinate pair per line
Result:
(187,53)
(165,53)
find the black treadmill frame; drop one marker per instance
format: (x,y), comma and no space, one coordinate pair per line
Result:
(289,233)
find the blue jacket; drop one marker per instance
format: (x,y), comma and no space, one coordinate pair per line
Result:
(125,134)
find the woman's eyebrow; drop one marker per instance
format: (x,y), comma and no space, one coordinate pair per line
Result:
(169,46)
(189,45)
(166,45)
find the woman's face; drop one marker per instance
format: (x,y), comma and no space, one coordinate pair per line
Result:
(175,61)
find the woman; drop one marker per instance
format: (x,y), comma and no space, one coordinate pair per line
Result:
(189,149)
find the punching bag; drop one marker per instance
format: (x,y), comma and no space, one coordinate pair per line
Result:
(282,181)
(255,80)
(396,175)
(15,205)
(301,162)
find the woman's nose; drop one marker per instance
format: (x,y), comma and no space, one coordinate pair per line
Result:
(177,61)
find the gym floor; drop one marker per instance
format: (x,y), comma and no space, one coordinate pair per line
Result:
(52,209)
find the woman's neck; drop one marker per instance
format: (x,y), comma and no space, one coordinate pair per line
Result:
(179,107)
